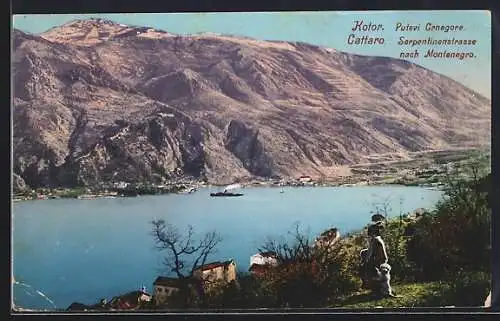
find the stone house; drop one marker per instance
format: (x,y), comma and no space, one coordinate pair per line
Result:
(163,288)
(216,272)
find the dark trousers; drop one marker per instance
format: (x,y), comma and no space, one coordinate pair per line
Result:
(367,273)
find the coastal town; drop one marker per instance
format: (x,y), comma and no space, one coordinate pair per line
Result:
(424,169)
(125,189)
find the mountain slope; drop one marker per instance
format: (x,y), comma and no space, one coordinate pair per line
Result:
(95,100)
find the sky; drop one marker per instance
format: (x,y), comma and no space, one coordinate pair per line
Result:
(329,29)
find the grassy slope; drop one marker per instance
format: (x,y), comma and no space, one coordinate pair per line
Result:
(412,295)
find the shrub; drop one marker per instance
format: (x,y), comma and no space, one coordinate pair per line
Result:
(247,292)
(308,275)
(468,289)
(456,236)
(395,237)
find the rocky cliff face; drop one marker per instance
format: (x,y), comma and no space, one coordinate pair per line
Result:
(99,101)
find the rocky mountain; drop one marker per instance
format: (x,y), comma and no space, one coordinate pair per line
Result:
(96,101)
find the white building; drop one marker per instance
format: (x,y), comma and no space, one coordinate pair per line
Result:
(305,179)
(266,258)
(121,185)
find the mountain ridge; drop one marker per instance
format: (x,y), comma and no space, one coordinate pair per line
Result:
(234,36)
(241,107)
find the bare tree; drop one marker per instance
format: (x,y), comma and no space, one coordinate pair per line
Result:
(301,248)
(298,249)
(183,249)
(308,271)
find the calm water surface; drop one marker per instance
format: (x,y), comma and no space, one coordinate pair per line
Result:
(82,250)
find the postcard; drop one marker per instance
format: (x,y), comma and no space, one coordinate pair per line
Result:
(251,160)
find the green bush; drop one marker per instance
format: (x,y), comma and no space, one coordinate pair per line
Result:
(467,289)
(395,237)
(470,289)
(456,236)
(246,292)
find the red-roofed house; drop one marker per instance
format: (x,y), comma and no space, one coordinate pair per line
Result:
(216,272)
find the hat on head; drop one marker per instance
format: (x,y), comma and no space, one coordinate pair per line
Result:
(377,217)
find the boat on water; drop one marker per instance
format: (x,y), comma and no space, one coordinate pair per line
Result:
(226,192)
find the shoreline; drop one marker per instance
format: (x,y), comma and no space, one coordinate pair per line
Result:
(244,186)
(426,169)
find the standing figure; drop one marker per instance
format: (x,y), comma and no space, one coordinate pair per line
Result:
(372,257)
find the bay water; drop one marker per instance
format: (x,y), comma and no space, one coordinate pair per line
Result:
(71,250)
